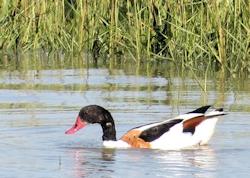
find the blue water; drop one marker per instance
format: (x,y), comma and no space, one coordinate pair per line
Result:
(37,107)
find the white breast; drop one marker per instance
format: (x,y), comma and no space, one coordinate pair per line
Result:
(115,144)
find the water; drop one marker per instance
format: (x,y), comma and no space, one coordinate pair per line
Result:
(37,106)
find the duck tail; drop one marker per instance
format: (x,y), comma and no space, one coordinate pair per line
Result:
(200,110)
(215,113)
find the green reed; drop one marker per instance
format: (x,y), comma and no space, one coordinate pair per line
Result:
(193,33)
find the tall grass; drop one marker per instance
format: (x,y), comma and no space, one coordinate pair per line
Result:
(192,33)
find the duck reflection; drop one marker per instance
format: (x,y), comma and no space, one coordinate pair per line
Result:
(195,162)
(91,161)
(108,154)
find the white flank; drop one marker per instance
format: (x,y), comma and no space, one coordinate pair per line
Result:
(204,131)
(176,139)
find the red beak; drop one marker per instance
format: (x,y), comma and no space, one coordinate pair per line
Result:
(77,126)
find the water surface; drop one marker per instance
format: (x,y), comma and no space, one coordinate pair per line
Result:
(37,106)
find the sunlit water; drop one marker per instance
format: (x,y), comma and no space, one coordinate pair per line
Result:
(36,107)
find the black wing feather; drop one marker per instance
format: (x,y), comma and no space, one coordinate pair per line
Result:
(201,110)
(155,132)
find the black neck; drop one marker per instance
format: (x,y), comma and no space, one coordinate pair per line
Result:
(109,132)
(108,127)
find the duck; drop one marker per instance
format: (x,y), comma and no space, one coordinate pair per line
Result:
(187,130)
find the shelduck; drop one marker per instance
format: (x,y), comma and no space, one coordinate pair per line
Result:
(184,131)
